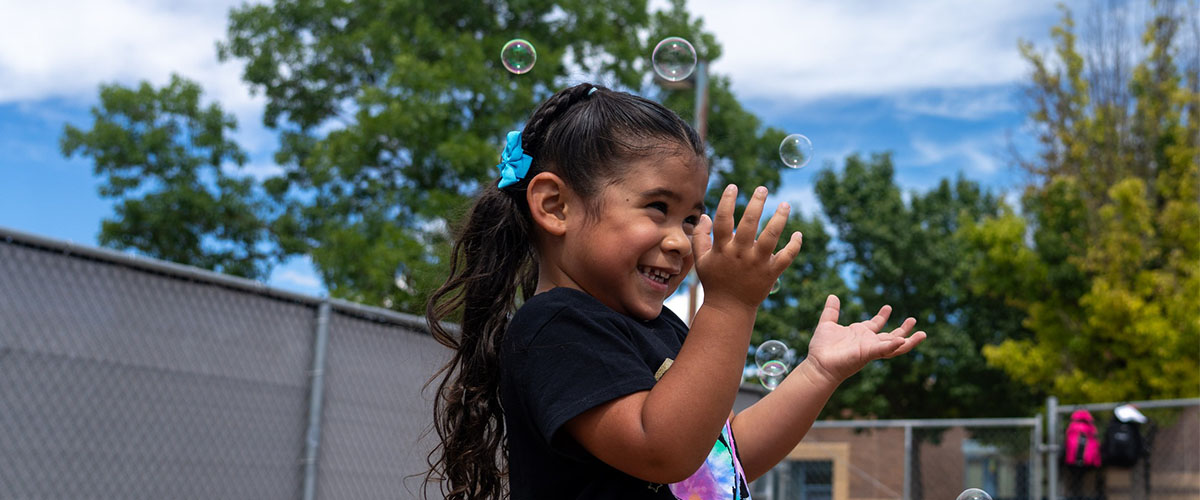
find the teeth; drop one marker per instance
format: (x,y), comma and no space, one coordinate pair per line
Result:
(655,274)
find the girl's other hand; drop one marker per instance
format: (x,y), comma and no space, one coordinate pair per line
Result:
(837,351)
(736,267)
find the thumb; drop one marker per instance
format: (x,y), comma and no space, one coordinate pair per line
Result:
(833,309)
(702,237)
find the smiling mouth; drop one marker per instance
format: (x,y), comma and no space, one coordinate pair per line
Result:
(655,274)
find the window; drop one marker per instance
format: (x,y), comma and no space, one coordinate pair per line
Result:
(808,480)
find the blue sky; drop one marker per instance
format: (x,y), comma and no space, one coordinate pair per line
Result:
(935,82)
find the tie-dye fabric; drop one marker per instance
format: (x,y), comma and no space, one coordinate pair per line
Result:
(720,477)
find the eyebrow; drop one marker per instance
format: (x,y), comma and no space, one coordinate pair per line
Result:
(662,192)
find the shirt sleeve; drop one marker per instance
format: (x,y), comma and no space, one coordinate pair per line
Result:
(575,362)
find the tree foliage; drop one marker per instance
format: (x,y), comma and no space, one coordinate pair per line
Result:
(907,253)
(391,114)
(164,156)
(1105,261)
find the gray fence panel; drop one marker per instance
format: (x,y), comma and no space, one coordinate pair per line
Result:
(116,382)
(375,411)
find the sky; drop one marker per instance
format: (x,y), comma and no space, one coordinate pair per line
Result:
(935,82)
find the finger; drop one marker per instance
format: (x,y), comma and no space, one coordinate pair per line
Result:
(908,345)
(876,323)
(786,255)
(833,308)
(905,328)
(748,227)
(774,229)
(723,222)
(702,237)
(886,346)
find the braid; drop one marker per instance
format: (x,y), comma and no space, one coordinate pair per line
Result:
(538,126)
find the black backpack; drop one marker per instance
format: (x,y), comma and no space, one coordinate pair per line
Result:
(1123,443)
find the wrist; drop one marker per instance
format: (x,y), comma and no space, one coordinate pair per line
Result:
(729,304)
(817,375)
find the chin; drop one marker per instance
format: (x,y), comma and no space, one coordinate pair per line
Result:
(653,312)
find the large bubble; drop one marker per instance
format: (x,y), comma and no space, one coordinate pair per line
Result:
(674,59)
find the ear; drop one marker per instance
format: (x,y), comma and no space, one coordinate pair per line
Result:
(547,196)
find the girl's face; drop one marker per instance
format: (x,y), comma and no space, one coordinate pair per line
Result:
(633,253)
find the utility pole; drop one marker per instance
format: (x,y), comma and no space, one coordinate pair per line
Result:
(701,124)
(699,81)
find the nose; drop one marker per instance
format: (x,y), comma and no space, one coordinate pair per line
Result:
(677,240)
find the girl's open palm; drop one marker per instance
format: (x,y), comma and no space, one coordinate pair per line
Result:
(735,264)
(841,351)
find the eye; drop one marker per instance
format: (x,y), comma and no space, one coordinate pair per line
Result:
(658,205)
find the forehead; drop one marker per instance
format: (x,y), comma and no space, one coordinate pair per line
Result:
(683,174)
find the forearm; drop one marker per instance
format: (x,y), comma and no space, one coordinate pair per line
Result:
(769,429)
(687,408)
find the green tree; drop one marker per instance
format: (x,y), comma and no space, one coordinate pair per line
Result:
(908,254)
(1105,261)
(166,159)
(391,115)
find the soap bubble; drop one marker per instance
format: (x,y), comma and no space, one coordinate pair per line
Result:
(674,59)
(518,56)
(775,288)
(771,374)
(974,494)
(795,150)
(771,350)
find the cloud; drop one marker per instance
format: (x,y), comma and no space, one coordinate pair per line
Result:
(978,155)
(803,51)
(65,49)
(296,280)
(971,104)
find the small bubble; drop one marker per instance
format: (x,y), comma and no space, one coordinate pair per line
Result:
(674,59)
(974,494)
(795,150)
(775,288)
(771,374)
(518,56)
(771,350)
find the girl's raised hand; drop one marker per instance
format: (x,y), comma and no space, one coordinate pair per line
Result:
(841,351)
(735,266)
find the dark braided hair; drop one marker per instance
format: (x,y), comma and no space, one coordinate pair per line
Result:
(585,134)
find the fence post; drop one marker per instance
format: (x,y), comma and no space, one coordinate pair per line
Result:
(908,461)
(1035,458)
(1052,447)
(312,441)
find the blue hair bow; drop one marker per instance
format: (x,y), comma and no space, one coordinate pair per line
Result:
(514,163)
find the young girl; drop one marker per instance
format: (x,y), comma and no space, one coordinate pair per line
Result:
(590,388)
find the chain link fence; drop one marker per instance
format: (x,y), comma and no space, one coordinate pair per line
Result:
(1169,468)
(124,377)
(1008,458)
(909,459)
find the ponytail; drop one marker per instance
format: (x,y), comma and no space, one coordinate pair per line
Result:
(492,260)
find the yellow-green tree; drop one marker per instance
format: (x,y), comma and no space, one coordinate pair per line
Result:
(1105,259)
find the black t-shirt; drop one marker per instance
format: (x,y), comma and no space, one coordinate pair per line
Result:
(565,353)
